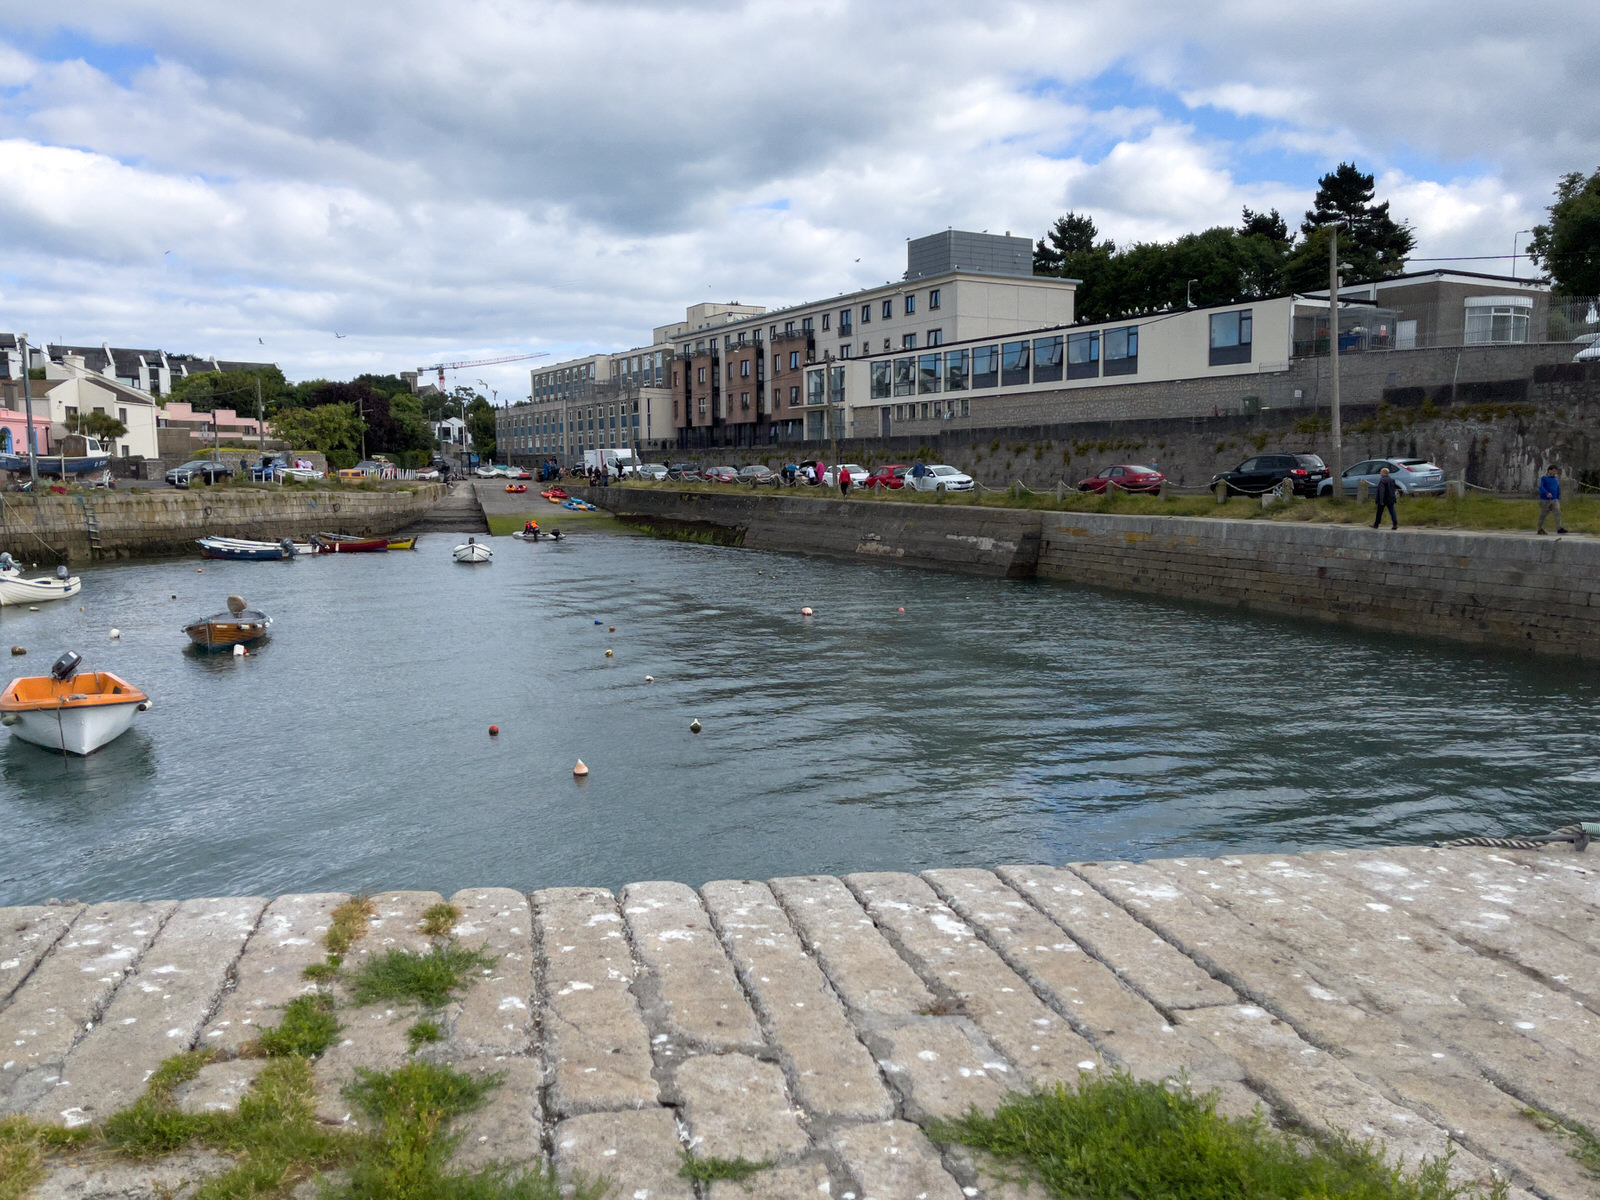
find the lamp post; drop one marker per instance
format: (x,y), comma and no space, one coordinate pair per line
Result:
(1514,238)
(1333,358)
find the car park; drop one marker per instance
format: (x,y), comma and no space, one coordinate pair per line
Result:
(1261,474)
(756,474)
(941,478)
(1413,476)
(654,472)
(892,476)
(1124,477)
(198,470)
(720,475)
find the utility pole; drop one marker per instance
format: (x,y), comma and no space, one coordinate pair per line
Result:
(827,396)
(27,406)
(261,424)
(1333,358)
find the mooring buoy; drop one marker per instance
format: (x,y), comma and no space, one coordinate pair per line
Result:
(579,769)
(694,726)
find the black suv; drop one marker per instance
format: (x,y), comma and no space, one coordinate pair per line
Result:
(1264,472)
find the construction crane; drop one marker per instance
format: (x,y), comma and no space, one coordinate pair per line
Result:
(441,368)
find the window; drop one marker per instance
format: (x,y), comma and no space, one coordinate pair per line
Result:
(908,341)
(806,325)
(911,305)
(825,319)
(772,333)
(794,360)
(1013,363)
(794,396)
(924,410)
(1230,338)
(844,322)
(904,380)
(814,387)
(888,309)
(744,401)
(885,343)
(701,376)
(935,337)
(1083,355)
(866,314)
(880,381)
(788,327)
(744,368)
(1047,359)
(928,372)
(1122,351)
(1494,319)
(985,367)
(844,351)
(933,299)
(955,370)
(122,415)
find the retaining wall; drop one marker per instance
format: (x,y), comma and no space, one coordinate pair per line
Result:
(76,527)
(1510,591)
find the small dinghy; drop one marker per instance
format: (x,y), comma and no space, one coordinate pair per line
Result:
(472,551)
(344,543)
(239,626)
(15,588)
(68,711)
(247,550)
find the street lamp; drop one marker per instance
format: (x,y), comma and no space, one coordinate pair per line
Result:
(1333,358)
(1514,238)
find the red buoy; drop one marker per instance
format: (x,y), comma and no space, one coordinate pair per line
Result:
(494,731)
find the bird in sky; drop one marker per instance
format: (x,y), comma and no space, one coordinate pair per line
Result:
(259,340)
(340,335)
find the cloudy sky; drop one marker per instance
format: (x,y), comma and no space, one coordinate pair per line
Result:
(347,187)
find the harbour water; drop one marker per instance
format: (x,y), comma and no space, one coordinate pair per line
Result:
(989,722)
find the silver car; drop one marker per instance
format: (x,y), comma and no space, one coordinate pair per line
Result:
(1413,476)
(941,478)
(654,472)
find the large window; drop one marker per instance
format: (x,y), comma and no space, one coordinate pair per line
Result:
(955,370)
(1013,363)
(880,381)
(1046,359)
(911,305)
(1122,351)
(986,367)
(935,337)
(1497,319)
(1230,338)
(888,309)
(813,387)
(866,314)
(928,372)
(844,322)
(904,379)
(933,298)
(908,341)
(1083,355)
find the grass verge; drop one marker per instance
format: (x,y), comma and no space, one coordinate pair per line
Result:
(1117,1138)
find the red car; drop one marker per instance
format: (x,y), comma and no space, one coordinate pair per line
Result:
(1126,477)
(721,475)
(891,476)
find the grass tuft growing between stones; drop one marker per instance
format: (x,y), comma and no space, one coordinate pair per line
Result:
(1118,1138)
(428,979)
(708,1170)
(439,919)
(1583,1144)
(424,1032)
(308,1028)
(23,1145)
(348,924)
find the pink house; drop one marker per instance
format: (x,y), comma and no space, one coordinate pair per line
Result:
(180,414)
(14,422)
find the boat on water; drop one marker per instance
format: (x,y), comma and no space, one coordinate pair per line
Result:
(538,535)
(405,543)
(246,550)
(80,455)
(472,551)
(70,711)
(17,588)
(239,626)
(344,543)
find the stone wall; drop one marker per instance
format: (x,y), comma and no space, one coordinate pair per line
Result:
(1503,590)
(120,524)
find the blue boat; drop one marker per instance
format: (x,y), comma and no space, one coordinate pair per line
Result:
(245,550)
(93,458)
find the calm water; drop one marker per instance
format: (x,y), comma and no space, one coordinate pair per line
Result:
(991,722)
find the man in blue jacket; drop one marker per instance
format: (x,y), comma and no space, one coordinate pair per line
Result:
(1550,498)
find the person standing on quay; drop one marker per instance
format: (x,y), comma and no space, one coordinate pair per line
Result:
(1550,498)
(844,482)
(1386,493)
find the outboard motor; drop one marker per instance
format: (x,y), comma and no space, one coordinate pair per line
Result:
(7,563)
(288,546)
(62,573)
(65,667)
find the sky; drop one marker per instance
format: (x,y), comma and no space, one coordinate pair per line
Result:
(351,187)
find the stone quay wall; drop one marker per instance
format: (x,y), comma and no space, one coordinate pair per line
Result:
(1509,591)
(76,527)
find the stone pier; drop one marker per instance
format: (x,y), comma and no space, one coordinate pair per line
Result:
(1431,998)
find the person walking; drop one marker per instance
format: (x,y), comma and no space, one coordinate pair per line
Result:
(1550,498)
(844,481)
(1385,494)
(918,474)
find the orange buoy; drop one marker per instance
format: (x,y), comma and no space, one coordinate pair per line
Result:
(902,608)
(579,769)
(494,731)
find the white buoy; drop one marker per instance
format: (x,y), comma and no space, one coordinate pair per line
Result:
(115,634)
(649,678)
(805,612)
(579,769)
(238,651)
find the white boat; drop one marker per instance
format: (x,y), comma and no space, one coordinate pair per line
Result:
(75,713)
(472,551)
(15,588)
(249,550)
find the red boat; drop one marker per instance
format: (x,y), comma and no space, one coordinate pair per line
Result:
(554,493)
(343,543)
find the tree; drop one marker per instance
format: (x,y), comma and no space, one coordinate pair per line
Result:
(96,424)
(333,429)
(211,390)
(1372,244)
(1568,248)
(480,428)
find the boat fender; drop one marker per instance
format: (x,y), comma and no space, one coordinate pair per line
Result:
(9,718)
(115,634)
(65,666)
(145,707)
(19,650)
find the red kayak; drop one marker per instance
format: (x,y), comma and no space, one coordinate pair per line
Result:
(554,493)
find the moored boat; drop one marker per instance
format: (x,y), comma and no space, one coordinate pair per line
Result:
(92,457)
(344,543)
(405,543)
(69,711)
(239,626)
(247,550)
(16,588)
(472,551)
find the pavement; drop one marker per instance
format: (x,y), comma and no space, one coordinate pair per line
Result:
(1425,997)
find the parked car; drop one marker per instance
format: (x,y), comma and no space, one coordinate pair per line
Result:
(1264,472)
(1124,477)
(941,478)
(858,475)
(654,472)
(1413,476)
(198,470)
(892,476)
(720,475)
(755,474)
(685,471)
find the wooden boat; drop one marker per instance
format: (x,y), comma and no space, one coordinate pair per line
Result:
(408,543)
(239,626)
(16,588)
(344,543)
(246,550)
(75,713)
(472,551)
